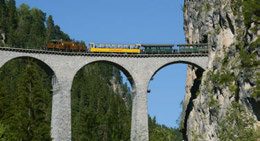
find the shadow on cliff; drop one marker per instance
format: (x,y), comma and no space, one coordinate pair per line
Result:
(193,90)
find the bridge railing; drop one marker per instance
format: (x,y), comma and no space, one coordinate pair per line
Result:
(25,47)
(193,48)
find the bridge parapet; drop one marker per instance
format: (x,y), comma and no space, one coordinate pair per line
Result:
(38,51)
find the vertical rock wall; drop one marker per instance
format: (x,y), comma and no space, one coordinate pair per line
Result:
(219,23)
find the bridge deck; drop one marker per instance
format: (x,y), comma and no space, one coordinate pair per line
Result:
(99,54)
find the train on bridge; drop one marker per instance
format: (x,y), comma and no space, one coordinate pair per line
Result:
(59,45)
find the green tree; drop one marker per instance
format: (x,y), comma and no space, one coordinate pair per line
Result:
(12,22)
(3,15)
(29,108)
(60,34)
(2,132)
(50,29)
(159,132)
(38,31)
(26,110)
(251,12)
(99,112)
(24,26)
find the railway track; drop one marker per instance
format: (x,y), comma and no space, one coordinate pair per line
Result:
(99,54)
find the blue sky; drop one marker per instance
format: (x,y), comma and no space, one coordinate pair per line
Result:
(129,21)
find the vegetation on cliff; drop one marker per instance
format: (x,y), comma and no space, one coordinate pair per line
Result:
(227,104)
(239,67)
(238,125)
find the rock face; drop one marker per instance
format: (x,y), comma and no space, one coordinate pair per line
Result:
(118,88)
(232,69)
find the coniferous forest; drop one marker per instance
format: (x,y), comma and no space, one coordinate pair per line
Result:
(101,101)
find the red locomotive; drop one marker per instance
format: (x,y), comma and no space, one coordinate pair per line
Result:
(65,46)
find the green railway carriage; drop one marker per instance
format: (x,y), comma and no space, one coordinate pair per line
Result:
(193,48)
(157,48)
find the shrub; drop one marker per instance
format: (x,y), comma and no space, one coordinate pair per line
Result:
(238,125)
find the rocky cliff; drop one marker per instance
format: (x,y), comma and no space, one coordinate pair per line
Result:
(226,97)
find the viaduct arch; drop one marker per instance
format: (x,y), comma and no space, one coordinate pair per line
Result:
(119,66)
(65,66)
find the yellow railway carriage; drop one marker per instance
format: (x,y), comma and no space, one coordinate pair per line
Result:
(115,48)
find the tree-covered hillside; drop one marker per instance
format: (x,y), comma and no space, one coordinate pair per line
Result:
(101,102)
(98,111)
(24,27)
(25,101)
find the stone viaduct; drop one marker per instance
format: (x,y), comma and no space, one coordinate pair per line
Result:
(138,68)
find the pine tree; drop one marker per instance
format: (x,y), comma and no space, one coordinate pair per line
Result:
(159,132)
(27,116)
(24,26)
(38,31)
(12,22)
(3,17)
(50,29)
(3,136)
(3,12)
(61,35)
(98,113)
